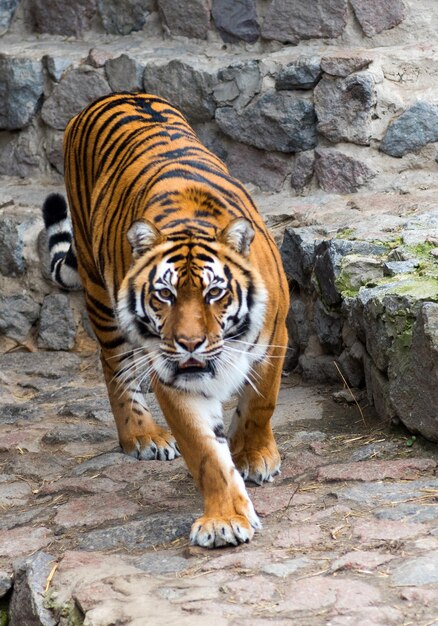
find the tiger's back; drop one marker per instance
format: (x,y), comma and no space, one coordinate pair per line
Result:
(184,285)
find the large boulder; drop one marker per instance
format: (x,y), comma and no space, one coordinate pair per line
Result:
(415,128)
(21,88)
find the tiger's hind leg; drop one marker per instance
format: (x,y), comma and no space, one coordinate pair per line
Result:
(252,442)
(139,435)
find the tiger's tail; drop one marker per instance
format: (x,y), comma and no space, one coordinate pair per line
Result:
(63,260)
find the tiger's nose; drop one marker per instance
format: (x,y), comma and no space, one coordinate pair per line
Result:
(190,343)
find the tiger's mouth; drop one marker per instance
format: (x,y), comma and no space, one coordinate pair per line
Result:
(193,366)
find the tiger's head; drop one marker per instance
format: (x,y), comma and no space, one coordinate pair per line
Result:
(196,305)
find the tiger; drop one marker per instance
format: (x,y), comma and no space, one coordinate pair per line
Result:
(184,288)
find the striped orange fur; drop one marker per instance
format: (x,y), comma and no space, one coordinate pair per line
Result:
(183,286)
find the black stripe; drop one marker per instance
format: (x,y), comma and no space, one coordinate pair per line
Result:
(64,237)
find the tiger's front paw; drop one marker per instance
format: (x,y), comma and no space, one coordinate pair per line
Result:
(214,532)
(258,466)
(157,443)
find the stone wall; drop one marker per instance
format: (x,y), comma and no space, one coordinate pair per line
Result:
(327,110)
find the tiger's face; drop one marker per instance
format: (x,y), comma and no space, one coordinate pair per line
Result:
(196,306)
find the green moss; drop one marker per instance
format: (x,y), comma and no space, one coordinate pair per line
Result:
(4,619)
(345,233)
(69,612)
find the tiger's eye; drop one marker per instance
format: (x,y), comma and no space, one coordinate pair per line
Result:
(165,293)
(214,292)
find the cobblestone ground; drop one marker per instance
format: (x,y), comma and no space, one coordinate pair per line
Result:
(92,536)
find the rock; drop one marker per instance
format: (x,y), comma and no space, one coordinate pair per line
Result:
(88,433)
(329,263)
(124,74)
(23,154)
(12,230)
(23,540)
(406,469)
(57,325)
(351,363)
(416,127)
(97,57)
(298,536)
(421,570)
(392,268)
(86,511)
(77,89)
(14,413)
(343,65)
(5,583)
(126,17)
(55,156)
(18,314)
(42,364)
(56,66)
(417,368)
(291,21)
(374,450)
(7,10)
(318,368)
(275,121)
(380,390)
(57,18)
(27,602)
(298,323)
(386,530)
(328,328)
(375,16)
(287,567)
(236,20)
(339,173)
(136,535)
(360,560)
(302,170)
(298,252)
(344,107)
(188,87)
(191,19)
(267,170)
(303,73)
(238,84)
(21,87)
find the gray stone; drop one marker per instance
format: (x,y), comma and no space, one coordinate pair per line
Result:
(7,10)
(286,567)
(415,128)
(13,413)
(57,325)
(416,368)
(122,18)
(56,66)
(12,261)
(190,19)
(298,323)
(319,369)
(75,91)
(87,433)
(5,583)
(329,257)
(375,16)
(18,313)
(27,602)
(53,148)
(236,20)
(41,364)
(124,74)
(157,563)
(152,530)
(378,493)
(351,364)
(188,87)
(380,449)
(291,21)
(303,73)
(344,107)
(58,18)
(328,328)
(408,512)
(267,170)
(298,252)
(302,170)
(22,154)
(421,570)
(275,121)
(21,88)
(343,65)
(102,461)
(392,268)
(238,84)
(339,173)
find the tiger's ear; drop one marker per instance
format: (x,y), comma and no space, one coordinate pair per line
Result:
(142,235)
(238,235)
